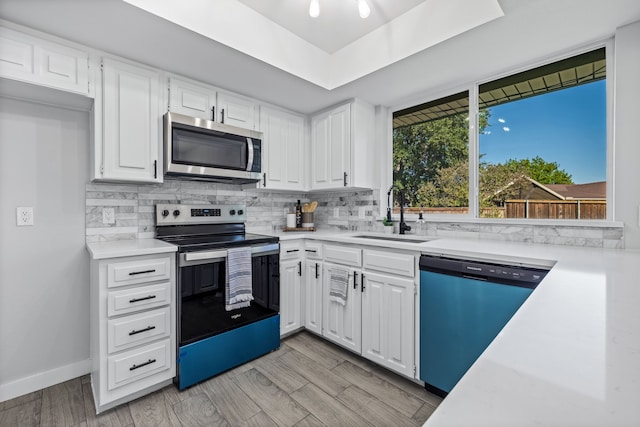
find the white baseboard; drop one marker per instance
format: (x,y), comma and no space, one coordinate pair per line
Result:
(45,379)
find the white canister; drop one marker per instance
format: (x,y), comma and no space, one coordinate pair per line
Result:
(291,220)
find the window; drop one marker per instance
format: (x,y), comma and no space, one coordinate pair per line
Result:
(431,155)
(541,153)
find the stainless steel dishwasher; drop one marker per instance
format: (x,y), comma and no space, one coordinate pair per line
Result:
(463,306)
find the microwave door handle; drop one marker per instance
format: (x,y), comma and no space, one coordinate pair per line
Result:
(250,157)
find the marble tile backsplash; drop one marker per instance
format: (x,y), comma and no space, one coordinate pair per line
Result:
(134,207)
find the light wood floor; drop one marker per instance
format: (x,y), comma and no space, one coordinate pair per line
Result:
(307,382)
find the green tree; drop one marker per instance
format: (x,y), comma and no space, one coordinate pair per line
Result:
(422,151)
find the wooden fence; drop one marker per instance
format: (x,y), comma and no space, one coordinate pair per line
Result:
(556,209)
(533,209)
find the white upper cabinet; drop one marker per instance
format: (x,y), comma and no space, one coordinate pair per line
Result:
(42,62)
(196,99)
(192,98)
(283,159)
(342,147)
(127,131)
(236,110)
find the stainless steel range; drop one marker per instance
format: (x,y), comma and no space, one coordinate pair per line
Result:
(214,336)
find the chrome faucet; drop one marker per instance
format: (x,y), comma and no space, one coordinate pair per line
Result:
(403,225)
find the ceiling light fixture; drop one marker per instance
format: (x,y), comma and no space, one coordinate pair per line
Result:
(363,8)
(314,8)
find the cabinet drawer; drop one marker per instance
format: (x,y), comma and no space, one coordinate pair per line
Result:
(139,298)
(389,262)
(129,331)
(313,250)
(132,365)
(138,271)
(290,250)
(343,255)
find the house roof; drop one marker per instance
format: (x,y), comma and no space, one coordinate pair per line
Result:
(591,190)
(537,191)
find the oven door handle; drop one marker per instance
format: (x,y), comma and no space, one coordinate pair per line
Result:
(208,255)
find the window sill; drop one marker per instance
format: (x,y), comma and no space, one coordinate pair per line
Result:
(515,221)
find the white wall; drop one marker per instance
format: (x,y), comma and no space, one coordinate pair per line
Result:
(627,132)
(44,278)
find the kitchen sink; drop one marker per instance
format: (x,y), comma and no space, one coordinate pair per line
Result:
(408,239)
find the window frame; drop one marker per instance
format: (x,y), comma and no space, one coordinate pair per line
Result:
(474,142)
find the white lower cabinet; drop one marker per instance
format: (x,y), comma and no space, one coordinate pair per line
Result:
(342,323)
(313,296)
(291,260)
(388,321)
(290,288)
(133,338)
(378,317)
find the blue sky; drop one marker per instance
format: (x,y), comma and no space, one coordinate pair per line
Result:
(567,127)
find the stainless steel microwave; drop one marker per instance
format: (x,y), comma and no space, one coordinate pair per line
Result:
(203,150)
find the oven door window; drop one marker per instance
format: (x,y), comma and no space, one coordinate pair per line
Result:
(202,305)
(193,146)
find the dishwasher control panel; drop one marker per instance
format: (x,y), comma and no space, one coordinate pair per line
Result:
(491,272)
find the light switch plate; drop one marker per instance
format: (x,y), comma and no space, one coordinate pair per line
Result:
(24,216)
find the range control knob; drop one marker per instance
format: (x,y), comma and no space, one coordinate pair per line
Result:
(176,212)
(240,212)
(165,212)
(232,212)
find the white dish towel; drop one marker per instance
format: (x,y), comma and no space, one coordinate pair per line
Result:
(339,280)
(238,286)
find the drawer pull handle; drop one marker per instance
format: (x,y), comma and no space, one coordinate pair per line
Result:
(142,299)
(139,331)
(311,250)
(133,273)
(292,250)
(148,362)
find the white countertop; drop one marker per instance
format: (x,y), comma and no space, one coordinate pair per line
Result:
(120,248)
(569,357)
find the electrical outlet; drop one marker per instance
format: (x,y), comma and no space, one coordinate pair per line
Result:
(24,216)
(108,215)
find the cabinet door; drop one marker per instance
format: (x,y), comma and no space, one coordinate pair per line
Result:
(290,295)
(131,123)
(340,147)
(388,321)
(313,296)
(331,148)
(320,151)
(236,111)
(191,99)
(341,323)
(283,149)
(30,59)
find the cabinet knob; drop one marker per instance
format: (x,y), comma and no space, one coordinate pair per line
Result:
(165,212)
(176,212)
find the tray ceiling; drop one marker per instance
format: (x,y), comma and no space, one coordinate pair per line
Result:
(235,24)
(339,23)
